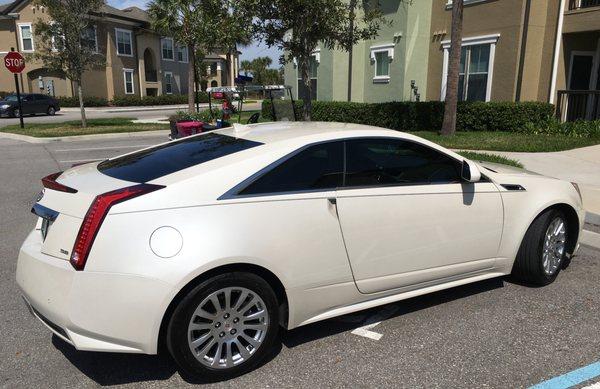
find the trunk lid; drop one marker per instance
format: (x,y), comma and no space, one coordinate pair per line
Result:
(62,213)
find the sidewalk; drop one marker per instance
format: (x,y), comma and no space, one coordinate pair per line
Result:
(580,165)
(132,109)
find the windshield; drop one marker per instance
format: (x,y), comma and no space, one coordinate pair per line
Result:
(12,98)
(148,165)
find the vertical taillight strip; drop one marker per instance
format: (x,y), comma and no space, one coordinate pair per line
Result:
(95,216)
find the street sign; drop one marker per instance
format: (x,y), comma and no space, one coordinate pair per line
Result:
(14,62)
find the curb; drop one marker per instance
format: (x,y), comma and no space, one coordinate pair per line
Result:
(592,218)
(591,239)
(130,109)
(74,138)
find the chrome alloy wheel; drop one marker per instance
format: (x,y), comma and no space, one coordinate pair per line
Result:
(227,327)
(554,246)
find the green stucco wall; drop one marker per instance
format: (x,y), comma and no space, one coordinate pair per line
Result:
(408,29)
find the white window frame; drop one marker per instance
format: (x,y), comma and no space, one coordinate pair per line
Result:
(384,48)
(492,40)
(117,30)
(20,26)
(162,53)
(125,72)
(187,53)
(466,2)
(172,79)
(96,49)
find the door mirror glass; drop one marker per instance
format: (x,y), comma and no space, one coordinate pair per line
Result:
(470,171)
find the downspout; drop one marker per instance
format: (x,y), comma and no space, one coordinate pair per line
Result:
(523,50)
(351,47)
(557,44)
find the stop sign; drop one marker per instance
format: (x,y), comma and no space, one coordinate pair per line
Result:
(14,62)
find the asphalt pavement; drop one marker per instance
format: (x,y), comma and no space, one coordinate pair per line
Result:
(490,334)
(68,114)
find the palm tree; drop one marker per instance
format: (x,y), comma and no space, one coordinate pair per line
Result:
(203,26)
(449,124)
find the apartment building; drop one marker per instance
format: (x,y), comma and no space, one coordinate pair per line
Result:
(512,50)
(138,61)
(393,66)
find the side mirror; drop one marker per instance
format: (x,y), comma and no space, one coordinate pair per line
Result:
(470,171)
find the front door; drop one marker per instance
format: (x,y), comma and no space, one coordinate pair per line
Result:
(408,220)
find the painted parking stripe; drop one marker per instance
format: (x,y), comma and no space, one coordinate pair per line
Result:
(104,148)
(572,378)
(374,321)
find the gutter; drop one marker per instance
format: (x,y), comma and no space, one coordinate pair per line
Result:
(557,44)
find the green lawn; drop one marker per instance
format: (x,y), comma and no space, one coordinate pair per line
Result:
(487,157)
(95,126)
(507,141)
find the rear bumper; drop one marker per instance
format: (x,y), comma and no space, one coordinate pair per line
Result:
(90,310)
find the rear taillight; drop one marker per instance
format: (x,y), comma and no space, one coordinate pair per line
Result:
(50,183)
(95,216)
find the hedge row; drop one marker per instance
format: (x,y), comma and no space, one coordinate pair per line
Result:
(130,100)
(428,116)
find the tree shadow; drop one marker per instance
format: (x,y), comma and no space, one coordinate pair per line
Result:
(118,369)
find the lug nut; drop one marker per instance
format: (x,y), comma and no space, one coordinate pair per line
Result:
(232,332)
(222,334)
(236,320)
(226,316)
(218,325)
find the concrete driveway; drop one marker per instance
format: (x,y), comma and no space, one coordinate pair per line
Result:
(580,165)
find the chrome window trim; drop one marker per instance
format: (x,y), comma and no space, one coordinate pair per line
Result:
(233,193)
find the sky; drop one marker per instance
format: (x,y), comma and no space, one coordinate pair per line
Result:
(257,49)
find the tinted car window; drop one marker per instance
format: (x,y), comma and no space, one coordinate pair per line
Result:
(315,168)
(373,162)
(151,164)
(41,97)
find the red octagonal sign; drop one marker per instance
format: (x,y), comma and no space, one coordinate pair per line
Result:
(14,62)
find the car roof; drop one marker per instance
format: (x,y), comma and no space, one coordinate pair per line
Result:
(302,133)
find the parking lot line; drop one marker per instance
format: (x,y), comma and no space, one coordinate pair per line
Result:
(104,148)
(571,378)
(374,321)
(83,160)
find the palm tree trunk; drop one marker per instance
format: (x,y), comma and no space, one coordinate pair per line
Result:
(81,107)
(449,124)
(191,78)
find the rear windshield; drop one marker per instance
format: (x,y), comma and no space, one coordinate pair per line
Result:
(148,165)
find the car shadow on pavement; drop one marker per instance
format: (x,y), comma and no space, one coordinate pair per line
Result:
(119,369)
(116,368)
(350,322)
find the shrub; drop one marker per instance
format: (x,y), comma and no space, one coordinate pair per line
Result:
(428,116)
(202,116)
(88,101)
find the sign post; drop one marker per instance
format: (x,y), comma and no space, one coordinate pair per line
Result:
(15,63)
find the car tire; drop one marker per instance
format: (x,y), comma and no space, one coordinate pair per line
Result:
(543,251)
(15,113)
(194,341)
(51,111)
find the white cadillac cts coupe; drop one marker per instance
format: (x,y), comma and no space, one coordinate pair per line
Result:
(209,244)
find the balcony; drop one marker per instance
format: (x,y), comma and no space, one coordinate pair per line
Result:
(575,105)
(579,4)
(151,76)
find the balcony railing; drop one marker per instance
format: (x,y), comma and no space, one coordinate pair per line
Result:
(573,105)
(578,4)
(151,76)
